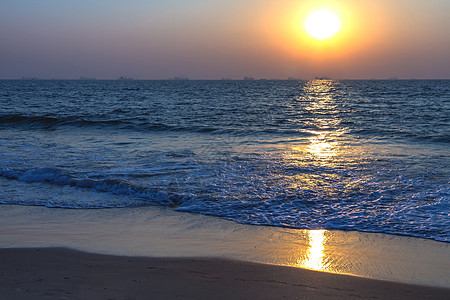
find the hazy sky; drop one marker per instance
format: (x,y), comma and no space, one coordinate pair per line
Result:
(210,39)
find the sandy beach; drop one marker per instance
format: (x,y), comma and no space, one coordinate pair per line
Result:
(156,253)
(57,273)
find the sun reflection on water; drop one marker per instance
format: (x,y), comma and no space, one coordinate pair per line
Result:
(324,144)
(315,157)
(321,147)
(314,259)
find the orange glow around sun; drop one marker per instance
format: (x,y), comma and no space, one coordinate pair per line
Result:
(324,30)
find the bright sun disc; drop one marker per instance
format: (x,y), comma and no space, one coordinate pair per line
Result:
(322,24)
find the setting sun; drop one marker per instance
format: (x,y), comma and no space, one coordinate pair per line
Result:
(322,24)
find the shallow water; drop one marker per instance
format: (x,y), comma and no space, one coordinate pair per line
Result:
(353,155)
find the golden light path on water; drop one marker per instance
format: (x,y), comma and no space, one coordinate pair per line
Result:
(320,147)
(322,150)
(321,96)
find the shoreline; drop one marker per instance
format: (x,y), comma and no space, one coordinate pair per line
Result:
(49,273)
(160,233)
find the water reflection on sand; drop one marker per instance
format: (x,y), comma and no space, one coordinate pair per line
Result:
(314,258)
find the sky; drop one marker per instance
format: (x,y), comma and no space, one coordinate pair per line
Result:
(211,39)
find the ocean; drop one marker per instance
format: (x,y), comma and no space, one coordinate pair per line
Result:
(370,156)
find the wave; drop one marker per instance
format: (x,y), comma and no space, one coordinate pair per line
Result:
(20,119)
(49,122)
(374,210)
(141,125)
(58,176)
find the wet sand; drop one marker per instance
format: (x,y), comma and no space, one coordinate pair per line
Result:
(58,273)
(157,253)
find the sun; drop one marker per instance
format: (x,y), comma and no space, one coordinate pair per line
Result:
(322,24)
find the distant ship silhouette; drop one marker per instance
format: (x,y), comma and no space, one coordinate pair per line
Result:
(179,78)
(125,78)
(322,78)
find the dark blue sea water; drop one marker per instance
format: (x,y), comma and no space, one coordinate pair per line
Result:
(353,155)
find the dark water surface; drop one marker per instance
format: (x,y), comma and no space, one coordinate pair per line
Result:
(355,155)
